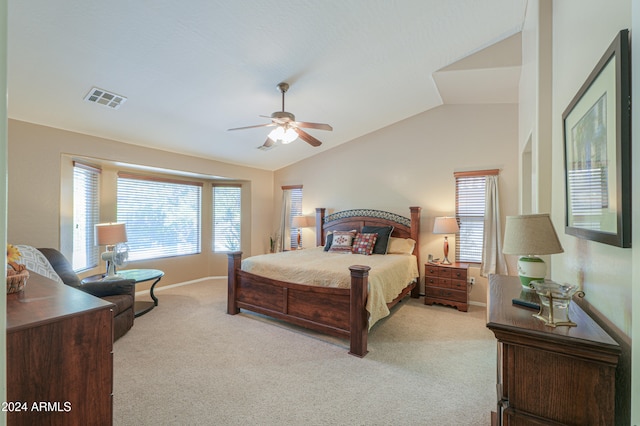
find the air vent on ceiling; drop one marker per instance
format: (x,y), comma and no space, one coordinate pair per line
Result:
(105,98)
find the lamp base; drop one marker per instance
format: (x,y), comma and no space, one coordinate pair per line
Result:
(531,268)
(445,249)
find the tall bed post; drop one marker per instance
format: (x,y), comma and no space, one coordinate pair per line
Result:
(415,235)
(320,211)
(233,265)
(359,328)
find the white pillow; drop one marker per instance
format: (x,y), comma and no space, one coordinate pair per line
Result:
(401,245)
(35,261)
(342,241)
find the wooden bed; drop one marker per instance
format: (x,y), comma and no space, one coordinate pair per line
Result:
(335,311)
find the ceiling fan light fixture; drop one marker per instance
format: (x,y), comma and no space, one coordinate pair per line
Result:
(282,135)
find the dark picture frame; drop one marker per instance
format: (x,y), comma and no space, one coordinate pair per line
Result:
(597,151)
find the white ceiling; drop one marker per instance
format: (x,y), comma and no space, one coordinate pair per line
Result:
(193,69)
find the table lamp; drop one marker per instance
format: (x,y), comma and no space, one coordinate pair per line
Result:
(446,225)
(530,236)
(110,235)
(300,222)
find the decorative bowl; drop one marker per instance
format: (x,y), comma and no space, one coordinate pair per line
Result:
(560,294)
(555,299)
(16,280)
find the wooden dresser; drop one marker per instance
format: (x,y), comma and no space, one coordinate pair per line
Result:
(546,375)
(447,285)
(59,356)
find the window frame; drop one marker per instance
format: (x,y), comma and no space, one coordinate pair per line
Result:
(213,217)
(468,216)
(295,194)
(90,249)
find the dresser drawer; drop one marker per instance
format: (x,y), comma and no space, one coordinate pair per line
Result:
(458,274)
(458,285)
(444,293)
(444,272)
(431,270)
(437,282)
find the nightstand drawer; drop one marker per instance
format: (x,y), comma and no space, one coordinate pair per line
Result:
(458,285)
(437,282)
(449,294)
(431,270)
(444,272)
(459,274)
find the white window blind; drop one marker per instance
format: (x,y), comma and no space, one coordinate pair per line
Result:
(226,217)
(86,214)
(163,216)
(589,195)
(296,210)
(470,209)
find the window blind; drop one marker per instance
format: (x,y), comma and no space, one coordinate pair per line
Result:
(86,214)
(589,195)
(296,210)
(226,218)
(470,209)
(163,216)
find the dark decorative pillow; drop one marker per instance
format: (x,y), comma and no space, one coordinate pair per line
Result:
(328,242)
(342,241)
(363,244)
(382,242)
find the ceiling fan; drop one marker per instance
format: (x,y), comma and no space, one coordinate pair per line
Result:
(287,128)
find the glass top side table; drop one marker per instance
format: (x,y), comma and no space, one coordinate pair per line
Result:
(138,275)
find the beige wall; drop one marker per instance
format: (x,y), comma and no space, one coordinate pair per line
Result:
(39,160)
(411,163)
(534,130)
(581,32)
(603,271)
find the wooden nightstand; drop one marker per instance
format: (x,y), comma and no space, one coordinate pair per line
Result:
(446,285)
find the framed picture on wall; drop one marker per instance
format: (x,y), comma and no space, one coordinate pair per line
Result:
(597,149)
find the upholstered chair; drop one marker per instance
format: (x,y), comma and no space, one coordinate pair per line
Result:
(121,292)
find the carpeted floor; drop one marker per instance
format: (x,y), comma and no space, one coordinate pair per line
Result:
(187,362)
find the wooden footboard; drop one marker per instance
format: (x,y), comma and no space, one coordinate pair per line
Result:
(335,311)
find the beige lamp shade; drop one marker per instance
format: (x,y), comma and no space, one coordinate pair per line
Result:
(108,234)
(532,234)
(529,236)
(300,222)
(445,225)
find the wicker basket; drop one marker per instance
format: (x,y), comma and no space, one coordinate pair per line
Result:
(16,280)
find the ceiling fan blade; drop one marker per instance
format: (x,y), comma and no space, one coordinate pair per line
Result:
(251,127)
(319,126)
(307,137)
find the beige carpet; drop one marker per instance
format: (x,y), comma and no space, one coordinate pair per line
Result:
(188,363)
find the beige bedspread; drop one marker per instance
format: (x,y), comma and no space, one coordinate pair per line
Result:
(389,273)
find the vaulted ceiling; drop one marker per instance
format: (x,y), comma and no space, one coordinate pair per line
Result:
(190,70)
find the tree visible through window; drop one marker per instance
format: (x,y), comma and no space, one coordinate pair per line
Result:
(226,217)
(163,216)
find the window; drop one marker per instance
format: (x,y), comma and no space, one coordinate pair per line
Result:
(226,217)
(295,200)
(470,211)
(86,214)
(163,216)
